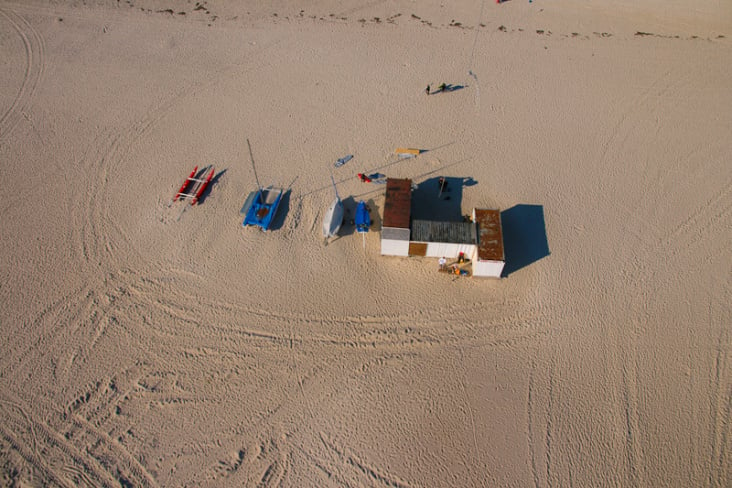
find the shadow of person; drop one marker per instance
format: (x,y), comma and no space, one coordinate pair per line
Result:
(452,88)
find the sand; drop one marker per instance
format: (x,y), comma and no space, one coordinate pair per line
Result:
(148,345)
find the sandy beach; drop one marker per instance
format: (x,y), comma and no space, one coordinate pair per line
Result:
(149,343)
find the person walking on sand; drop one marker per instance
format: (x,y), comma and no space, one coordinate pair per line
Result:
(427,90)
(442,87)
(442,262)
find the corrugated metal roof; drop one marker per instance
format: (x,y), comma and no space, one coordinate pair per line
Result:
(398,203)
(394,234)
(450,232)
(490,234)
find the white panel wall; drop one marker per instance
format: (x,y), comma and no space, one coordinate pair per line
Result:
(439,249)
(391,247)
(490,269)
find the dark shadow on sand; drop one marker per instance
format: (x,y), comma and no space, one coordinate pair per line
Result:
(524,236)
(449,87)
(211,184)
(429,202)
(349,214)
(282,209)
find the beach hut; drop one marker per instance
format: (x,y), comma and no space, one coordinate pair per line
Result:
(488,257)
(481,239)
(395,230)
(403,236)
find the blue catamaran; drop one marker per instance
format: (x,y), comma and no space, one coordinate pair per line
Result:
(363,218)
(260,207)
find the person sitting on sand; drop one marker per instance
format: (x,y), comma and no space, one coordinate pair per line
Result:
(364,178)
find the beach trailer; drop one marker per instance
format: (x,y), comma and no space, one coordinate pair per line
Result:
(488,257)
(434,239)
(397,214)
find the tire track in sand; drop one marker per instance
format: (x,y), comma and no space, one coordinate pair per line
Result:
(57,458)
(105,253)
(461,379)
(642,104)
(291,413)
(701,223)
(92,423)
(223,329)
(408,329)
(682,237)
(220,328)
(371,474)
(721,438)
(68,329)
(530,412)
(634,451)
(34,333)
(83,438)
(691,228)
(501,323)
(84,429)
(112,154)
(550,416)
(35,60)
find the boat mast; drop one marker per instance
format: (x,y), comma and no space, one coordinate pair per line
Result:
(253,167)
(334,186)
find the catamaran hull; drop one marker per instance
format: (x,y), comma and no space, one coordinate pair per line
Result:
(333,219)
(262,208)
(363,219)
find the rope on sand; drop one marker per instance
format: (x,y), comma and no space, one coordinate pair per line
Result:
(472,56)
(475,40)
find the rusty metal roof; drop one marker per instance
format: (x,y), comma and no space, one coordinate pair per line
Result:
(398,203)
(490,235)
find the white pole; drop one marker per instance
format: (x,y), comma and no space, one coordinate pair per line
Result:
(253,167)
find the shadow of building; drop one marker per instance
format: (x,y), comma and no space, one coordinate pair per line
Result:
(436,202)
(524,236)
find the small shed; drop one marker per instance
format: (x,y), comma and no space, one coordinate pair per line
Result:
(395,230)
(488,258)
